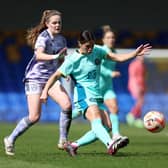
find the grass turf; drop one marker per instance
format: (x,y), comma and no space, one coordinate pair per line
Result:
(37,149)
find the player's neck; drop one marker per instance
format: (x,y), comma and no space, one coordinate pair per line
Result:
(51,34)
(81,52)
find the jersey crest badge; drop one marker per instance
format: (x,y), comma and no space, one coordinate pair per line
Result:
(97,61)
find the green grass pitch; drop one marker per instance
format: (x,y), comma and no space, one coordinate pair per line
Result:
(37,149)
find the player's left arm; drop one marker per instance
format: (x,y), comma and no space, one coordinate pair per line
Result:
(140,51)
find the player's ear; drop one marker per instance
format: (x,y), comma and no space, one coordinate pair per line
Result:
(103,40)
(79,44)
(47,23)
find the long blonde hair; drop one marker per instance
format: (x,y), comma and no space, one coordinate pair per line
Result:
(33,33)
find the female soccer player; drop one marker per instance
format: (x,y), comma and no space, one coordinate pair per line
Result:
(84,68)
(109,97)
(106,84)
(49,48)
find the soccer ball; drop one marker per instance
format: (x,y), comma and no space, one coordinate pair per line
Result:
(154,121)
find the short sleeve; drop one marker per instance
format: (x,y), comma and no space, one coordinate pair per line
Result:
(40,42)
(101,52)
(66,68)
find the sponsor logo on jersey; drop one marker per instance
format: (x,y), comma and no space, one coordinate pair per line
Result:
(97,61)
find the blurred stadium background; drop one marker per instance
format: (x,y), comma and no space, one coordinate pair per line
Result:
(135,22)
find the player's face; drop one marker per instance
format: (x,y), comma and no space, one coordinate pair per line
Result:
(86,48)
(54,24)
(109,39)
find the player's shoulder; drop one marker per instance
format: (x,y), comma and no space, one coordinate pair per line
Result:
(99,48)
(75,56)
(107,49)
(43,37)
(71,56)
(98,51)
(44,34)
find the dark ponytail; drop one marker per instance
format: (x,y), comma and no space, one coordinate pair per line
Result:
(86,36)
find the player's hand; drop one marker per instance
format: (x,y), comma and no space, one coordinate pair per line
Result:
(62,53)
(43,97)
(143,50)
(116,74)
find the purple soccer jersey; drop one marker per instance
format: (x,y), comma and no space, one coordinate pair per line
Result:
(40,71)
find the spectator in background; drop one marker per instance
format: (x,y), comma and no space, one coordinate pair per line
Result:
(136,86)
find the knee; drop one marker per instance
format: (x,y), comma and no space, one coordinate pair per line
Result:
(67,105)
(34,118)
(114,109)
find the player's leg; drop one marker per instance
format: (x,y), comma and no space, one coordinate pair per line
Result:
(34,107)
(58,94)
(137,109)
(90,137)
(113,108)
(93,114)
(111,103)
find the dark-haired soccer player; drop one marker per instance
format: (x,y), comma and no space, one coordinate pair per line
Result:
(84,68)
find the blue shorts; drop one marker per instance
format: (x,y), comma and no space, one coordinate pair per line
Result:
(81,106)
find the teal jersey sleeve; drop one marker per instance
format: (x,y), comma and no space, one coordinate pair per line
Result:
(67,67)
(102,53)
(107,63)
